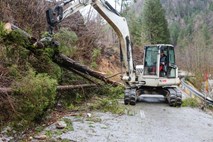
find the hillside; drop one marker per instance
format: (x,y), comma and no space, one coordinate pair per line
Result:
(190,24)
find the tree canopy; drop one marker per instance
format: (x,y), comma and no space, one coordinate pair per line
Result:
(155,25)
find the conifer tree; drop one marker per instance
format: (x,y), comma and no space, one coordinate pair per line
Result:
(155,25)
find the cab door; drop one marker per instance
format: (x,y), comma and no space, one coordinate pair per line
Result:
(171,66)
(151,61)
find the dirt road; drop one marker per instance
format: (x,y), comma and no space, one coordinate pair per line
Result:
(154,121)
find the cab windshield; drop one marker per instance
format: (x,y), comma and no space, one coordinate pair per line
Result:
(150,61)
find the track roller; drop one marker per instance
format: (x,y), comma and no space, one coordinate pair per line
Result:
(174,97)
(130,97)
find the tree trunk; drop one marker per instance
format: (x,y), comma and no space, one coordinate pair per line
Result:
(70,64)
(59,88)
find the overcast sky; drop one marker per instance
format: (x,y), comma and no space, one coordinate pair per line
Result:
(112,2)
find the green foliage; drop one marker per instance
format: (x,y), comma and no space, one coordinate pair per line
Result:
(174,32)
(35,93)
(211,6)
(69,125)
(154,23)
(43,64)
(15,37)
(94,65)
(14,71)
(108,105)
(96,53)
(3,33)
(108,101)
(110,91)
(206,35)
(135,26)
(67,40)
(190,102)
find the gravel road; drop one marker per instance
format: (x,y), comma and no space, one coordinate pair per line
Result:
(149,121)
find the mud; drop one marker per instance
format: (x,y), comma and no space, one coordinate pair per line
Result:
(148,121)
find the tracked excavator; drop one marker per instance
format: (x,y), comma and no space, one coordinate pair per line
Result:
(157,75)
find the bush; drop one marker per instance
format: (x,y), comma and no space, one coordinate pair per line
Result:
(110,91)
(34,93)
(67,40)
(190,102)
(107,105)
(2,30)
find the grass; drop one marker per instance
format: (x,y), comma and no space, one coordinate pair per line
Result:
(190,102)
(58,132)
(93,119)
(69,125)
(107,104)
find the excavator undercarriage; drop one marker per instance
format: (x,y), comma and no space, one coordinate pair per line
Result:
(172,95)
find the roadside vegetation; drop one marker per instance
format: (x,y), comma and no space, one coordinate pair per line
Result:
(191,102)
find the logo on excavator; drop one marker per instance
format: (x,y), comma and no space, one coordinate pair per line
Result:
(163,81)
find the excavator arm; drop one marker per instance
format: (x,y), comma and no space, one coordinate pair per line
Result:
(138,79)
(117,22)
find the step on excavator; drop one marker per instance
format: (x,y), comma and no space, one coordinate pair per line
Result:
(159,72)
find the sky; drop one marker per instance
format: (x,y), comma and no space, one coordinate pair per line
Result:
(112,2)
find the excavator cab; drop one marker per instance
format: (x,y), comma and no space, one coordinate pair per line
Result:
(159,65)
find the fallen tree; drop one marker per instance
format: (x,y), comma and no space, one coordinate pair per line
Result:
(59,88)
(62,60)
(70,64)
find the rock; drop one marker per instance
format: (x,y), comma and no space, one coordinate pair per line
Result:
(40,137)
(60,125)
(30,138)
(89,114)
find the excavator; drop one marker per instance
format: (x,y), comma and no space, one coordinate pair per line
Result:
(159,72)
